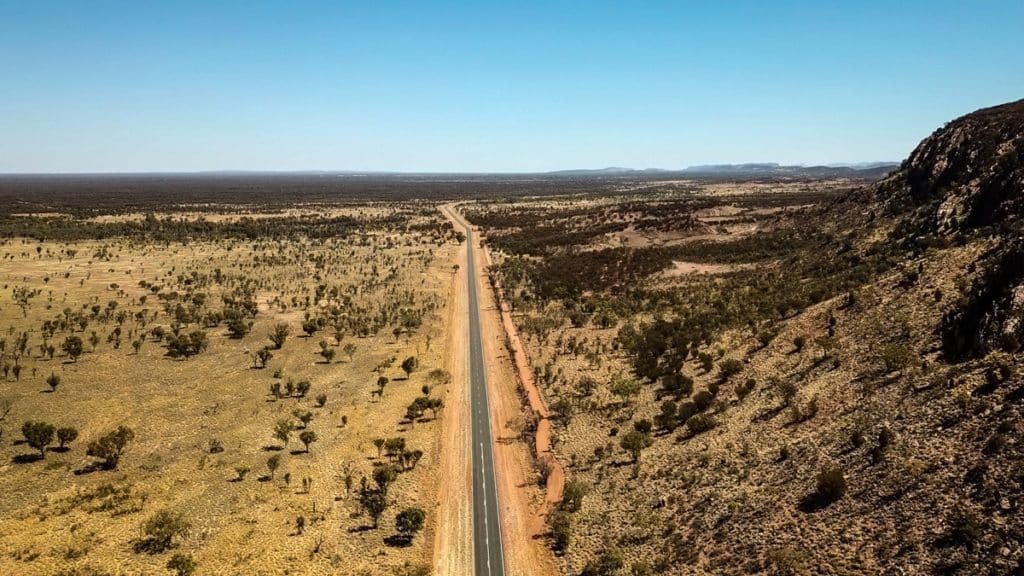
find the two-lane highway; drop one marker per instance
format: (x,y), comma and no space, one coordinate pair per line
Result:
(489,558)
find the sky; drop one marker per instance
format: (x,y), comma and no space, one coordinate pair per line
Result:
(136,86)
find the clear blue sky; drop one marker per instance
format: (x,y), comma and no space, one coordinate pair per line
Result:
(486,86)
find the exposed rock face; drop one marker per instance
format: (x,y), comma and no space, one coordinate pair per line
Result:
(967,180)
(966,176)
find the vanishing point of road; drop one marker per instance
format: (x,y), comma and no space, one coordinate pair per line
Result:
(488,556)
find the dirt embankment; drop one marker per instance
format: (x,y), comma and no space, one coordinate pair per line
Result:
(542,445)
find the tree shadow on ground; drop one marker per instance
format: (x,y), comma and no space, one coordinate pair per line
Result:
(813,502)
(398,541)
(89,469)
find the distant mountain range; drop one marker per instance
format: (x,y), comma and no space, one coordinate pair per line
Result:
(863,170)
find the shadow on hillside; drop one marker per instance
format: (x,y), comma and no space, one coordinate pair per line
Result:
(398,541)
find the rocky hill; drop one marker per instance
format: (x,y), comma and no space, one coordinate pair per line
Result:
(857,409)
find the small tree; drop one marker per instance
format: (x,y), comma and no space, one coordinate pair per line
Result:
(410,521)
(310,326)
(729,368)
(439,377)
(634,442)
(409,365)
(625,388)
(273,463)
(161,530)
(38,435)
(279,335)
(307,437)
(304,416)
(349,349)
(572,495)
(66,435)
(799,342)
(263,355)
(383,476)
(321,400)
(283,430)
(830,486)
(73,347)
(328,355)
(53,381)
(607,563)
(111,446)
(374,503)
(560,523)
(182,564)
(302,388)
(379,444)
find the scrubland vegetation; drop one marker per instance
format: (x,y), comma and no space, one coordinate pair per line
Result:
(784,376)
(201,389)
(811,379)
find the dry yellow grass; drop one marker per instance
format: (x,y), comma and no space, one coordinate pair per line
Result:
(53,520)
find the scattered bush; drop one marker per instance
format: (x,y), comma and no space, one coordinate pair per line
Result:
(110,447)
(409,522)
(560,523)
(182,564)
(66,435)
(38,435)
(161,531)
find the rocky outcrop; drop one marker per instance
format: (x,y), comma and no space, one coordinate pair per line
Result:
(966,177)
(962,183)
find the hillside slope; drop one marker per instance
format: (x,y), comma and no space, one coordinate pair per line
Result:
(850,406)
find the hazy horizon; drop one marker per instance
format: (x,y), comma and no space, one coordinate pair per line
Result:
(462,88)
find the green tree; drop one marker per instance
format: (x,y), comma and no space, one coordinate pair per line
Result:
(182,565)
(634,442)
(38,435)
(161,531)
(383,476)
(572,495)
(560,522)
(607,563)
(111,446)
(349,349)
(327,354)
(73,347)
(409,365)
(66,435)
(283,430)
(279,335)
(374,503)
(273,463)
(307,437)
(410,521)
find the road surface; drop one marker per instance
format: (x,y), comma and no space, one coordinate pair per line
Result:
(489,558)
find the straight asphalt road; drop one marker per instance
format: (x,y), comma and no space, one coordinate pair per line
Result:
(489,558)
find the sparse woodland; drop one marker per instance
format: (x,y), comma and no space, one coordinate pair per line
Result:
(786,378)
(789,376)
(202,391)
